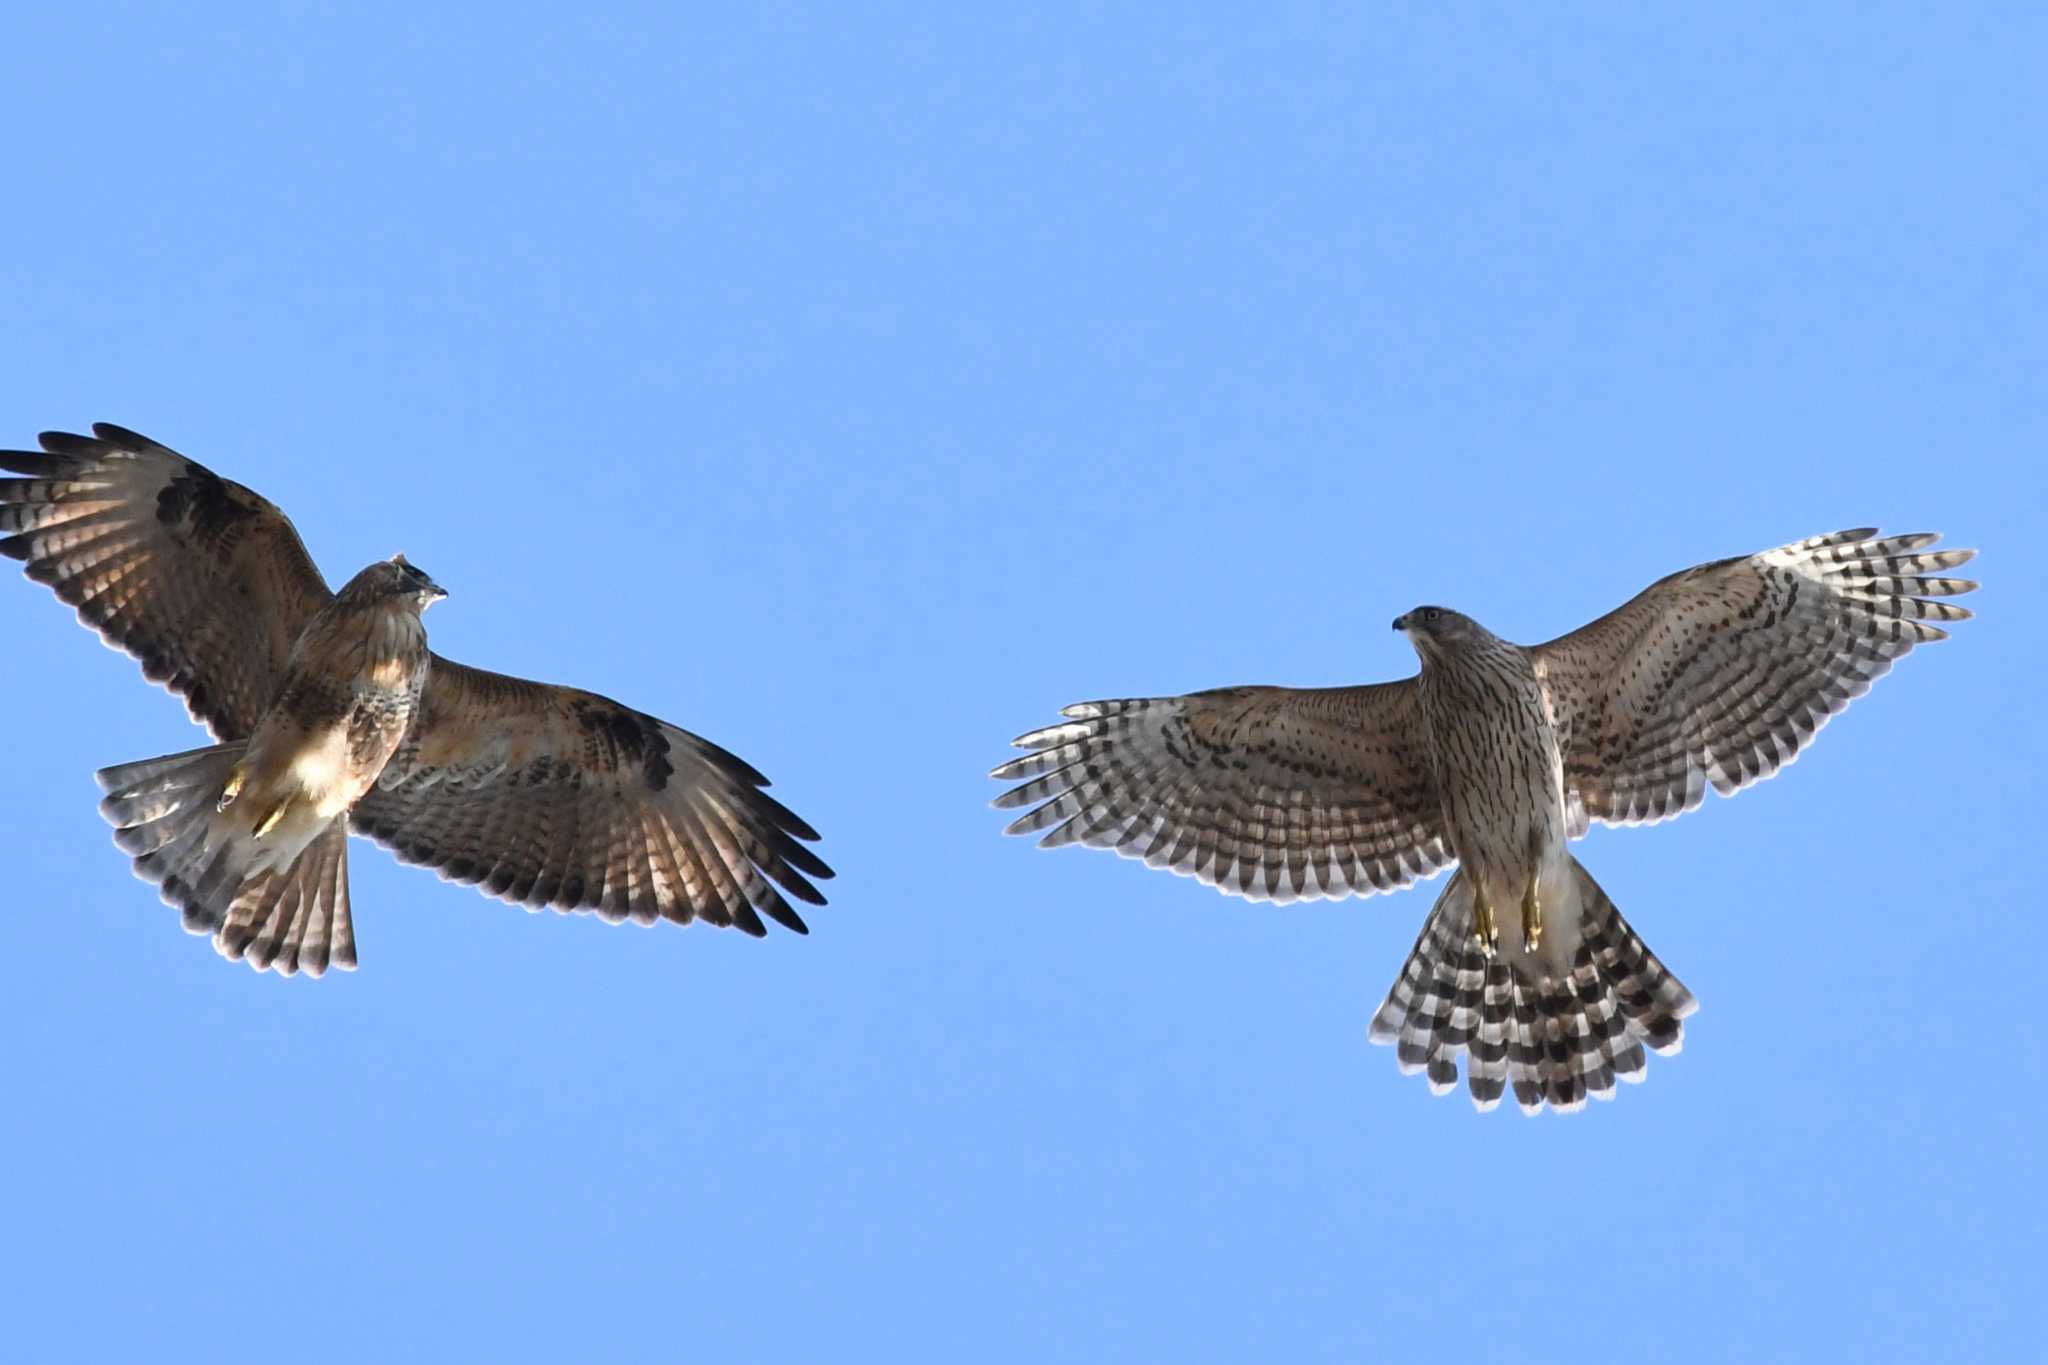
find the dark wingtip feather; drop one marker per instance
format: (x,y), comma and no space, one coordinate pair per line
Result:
(69,443)
(783,817)
(798,887)
(778,910)
(25,462)
(803,858)
(795,824)
(128,440)
(724,758)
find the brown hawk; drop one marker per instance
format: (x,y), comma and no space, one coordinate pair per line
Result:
(332,715)
(1495,757)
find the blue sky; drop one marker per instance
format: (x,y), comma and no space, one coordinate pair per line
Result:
(858,385)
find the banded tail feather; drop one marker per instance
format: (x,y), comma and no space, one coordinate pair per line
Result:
(290,918)
(1553,1040)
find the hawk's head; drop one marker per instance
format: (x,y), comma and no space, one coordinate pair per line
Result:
(1435,630)
(395,580)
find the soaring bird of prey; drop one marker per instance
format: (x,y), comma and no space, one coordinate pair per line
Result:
(332,715)
(1494,757)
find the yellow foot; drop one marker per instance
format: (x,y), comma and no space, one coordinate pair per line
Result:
(232,790)
(269,822)
(1485,925)
(1532,917)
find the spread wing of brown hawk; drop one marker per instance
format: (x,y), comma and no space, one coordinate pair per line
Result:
(331,714)
(1494,757)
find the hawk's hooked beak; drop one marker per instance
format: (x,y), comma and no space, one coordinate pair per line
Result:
(1401,621)
(434,591)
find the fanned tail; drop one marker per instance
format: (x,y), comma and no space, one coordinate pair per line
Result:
(293,919)
(1553,1039)
(161,809)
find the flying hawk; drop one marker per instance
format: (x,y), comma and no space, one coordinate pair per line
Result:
(1495,757)
(332,715)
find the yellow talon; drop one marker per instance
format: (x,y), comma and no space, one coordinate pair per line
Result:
(232,790)
(1532,917)
(1484,924)
(269,822)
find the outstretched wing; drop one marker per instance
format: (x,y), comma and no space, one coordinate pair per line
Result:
(1723,673)
(551,796)
(1272,793)
(202,580)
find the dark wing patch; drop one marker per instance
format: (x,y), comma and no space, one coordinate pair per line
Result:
(199,578)
(206,503)
(552,796)
(1271,793)
(626,738)
(1721,674)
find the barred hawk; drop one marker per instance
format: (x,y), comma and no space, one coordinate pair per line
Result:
(1494,757)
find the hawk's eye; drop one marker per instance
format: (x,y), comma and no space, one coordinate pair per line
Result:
(1430,613)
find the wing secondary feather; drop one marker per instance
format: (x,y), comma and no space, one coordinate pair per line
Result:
(553,796)
(1270,793)
(1720,675)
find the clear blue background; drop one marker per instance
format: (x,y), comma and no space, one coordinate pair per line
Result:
(857,385)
